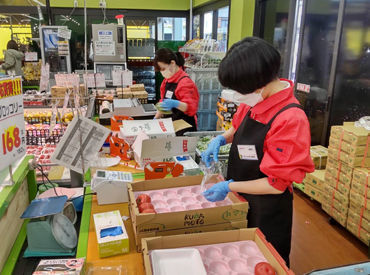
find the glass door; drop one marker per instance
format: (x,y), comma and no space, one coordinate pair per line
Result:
(315,61)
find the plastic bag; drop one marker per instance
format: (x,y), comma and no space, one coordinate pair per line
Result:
(208,172)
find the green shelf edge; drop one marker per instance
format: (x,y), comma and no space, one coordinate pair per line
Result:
(83,237)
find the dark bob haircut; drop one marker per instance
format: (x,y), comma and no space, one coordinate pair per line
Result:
(12,45)
(166,55)
(250,64)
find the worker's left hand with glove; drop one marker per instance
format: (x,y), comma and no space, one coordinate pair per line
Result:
(218,192)
(169,104)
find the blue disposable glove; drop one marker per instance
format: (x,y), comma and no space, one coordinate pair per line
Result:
(218,192)
(169,104)
(213,149)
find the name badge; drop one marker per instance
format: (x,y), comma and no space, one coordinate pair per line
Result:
(169,94)
(247,152)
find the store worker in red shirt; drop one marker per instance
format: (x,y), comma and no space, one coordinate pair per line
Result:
(179,93)
(270,138)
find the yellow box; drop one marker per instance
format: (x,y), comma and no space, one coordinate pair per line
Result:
(316,179)
(342,219)
(359,200)
(359,210)
(362,175)
(347,147)
(330,192)
(358,220)
(348,132)
(111,243)
(360,188)
(333,165)
(313,192)
(341,208)
(359,232)
(319,155)
(331,182)
(357,161)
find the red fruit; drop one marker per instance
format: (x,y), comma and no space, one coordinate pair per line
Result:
(148,210)
(264,268)
(143,198)
(144,206)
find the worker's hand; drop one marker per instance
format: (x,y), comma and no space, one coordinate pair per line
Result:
(218,192)
(213,149)
(169,104)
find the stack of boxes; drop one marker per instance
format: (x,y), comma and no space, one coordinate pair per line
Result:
(134,91)
(347,146)
(313,184)
(59,92)
(225,112)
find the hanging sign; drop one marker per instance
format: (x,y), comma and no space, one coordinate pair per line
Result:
(45,76)
(31,56)
(12,127)
(303,87)
(64,33)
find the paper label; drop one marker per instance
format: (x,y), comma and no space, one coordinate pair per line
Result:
(105,35)
(12,127)
(105,48)
(45,75)
(117,77)
(63,48)
(126,78)
(31,56)
(89,79)
(100,80)
(247,152)
(64,33)
(169,94)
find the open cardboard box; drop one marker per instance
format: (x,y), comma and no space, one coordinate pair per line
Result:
(188,221)
(179,241)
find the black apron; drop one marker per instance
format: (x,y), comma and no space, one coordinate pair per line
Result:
(271,213)
(176,113)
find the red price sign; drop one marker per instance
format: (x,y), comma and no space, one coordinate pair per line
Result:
(12,128)
(11,139)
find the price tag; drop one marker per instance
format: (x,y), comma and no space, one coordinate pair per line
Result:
(89,79)
(64,33)
(61,80)
(45,75)
(117,79)
(100,80)
(31,56)
(12,127)
(127,78)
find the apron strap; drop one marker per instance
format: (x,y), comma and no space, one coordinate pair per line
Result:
(185,76)
(292,105)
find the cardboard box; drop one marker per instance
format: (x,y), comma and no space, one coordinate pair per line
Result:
(334,165)
(339,217)
(162,149)
(360,188)
(61,267)
(316,179)
(358,220)
(109,245)
(358,161)
(360,210)
(330,192)
(359,232)
(332,183)
(319,155)
(355,136)
(180,241)
(341,208)
(137,87)
(362,175)
(157,128)
(359,200)
(191,230)
(313,192)
(353,151)
(146,223)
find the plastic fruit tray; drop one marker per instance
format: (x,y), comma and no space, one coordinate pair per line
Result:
(180,199)
(233,258)
(236,258)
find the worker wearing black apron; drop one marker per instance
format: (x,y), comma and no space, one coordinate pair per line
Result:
(179,94)
(270,141)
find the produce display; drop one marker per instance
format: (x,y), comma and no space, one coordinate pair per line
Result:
(175,200)
(44,116)
(232,258)
(32,70)
(42,154)
(203,144)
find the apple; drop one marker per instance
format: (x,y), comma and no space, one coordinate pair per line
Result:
(145,205)
(264,268)
(143,198)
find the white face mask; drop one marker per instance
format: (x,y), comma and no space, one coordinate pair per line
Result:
(168,72)
(251,99)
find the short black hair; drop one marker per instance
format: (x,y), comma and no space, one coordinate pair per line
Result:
(12,45)
(250,64)
(166,55)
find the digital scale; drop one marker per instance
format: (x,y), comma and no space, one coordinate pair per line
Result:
(50,231)
(111,186)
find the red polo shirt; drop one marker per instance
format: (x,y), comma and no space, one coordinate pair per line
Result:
(186,91)
(287,143)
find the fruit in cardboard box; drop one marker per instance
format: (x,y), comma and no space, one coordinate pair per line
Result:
(264,268)
(144,206)
(143,198)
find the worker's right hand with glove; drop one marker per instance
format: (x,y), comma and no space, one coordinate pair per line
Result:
(212,151)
